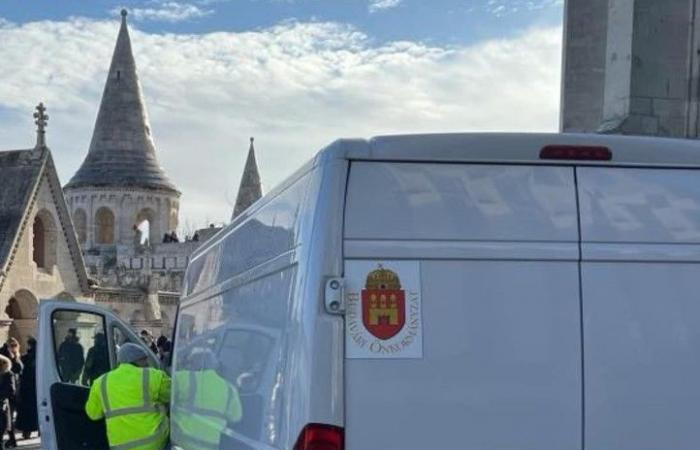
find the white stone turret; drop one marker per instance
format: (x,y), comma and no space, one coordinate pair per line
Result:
(121,183)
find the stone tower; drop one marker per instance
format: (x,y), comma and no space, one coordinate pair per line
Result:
(250,189)
(631,67)
(120,182)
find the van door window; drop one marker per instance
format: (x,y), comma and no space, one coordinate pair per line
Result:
(80,346)
(119,338)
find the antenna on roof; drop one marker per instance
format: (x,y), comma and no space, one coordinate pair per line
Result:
(41,120)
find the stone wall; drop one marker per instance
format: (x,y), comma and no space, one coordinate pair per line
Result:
(648,69)
(26,284)
(128,206)
(585,40)
(141,284)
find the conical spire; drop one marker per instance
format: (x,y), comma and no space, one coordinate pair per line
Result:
(250,189)
(122,152)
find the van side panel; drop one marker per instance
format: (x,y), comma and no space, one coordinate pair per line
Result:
(501,363)
(640,274)
(241,310)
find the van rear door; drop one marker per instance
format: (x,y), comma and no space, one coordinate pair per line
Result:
(492,358)
(77,343)
(640,274)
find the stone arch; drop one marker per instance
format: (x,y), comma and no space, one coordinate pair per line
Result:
(153,225)
(22,308)
(80,224)
(104,226)
(44,240)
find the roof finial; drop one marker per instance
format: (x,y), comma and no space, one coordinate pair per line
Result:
(124,14)
(251,140)
(41,121)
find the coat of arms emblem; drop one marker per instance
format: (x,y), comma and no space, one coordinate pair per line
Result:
(383,304)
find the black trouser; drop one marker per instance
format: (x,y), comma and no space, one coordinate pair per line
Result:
(11,426)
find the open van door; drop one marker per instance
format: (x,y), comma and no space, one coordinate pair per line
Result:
(77,343)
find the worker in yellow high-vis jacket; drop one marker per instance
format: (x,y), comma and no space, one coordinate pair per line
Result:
(133,399)
(206,405)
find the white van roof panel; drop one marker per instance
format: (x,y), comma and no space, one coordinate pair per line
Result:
(513,147)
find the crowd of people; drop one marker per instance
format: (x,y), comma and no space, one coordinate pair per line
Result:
(18,410)
(18,406)
(77,367)
(162,346)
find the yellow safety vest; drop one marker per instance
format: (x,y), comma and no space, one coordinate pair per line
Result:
(133,401)
(204,404)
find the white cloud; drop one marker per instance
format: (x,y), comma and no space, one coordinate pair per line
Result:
(167,11)
(295,87)
(502,8)
(381,5)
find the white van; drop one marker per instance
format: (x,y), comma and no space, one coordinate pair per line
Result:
(466,291)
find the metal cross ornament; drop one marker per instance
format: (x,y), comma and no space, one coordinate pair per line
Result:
(41,121)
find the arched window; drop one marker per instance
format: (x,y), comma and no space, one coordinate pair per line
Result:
(80,224)
(149,215)
(104,222)
(39,244)
(44,237)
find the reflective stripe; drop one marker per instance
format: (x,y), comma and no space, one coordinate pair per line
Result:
(134,410)
(143,408)
(162,428)
(105,397)
(192,391)
(191,407)
(207,412)
(146,382)
(230,399)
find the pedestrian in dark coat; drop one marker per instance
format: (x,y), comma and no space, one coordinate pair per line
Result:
(27,417)
(7,392)
(71,357)
(97,361)
(12,352)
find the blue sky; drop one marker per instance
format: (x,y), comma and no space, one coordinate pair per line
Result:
(435,21)
(296,74)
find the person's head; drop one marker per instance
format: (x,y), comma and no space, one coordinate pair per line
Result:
(161,341)
(100,339)
(5,364)
(146,336)
(132,354)
(13,345)
(72,334)
(31,343)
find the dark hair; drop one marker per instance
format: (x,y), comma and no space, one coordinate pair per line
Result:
(73,331)
(145,333)
(31,342)
(162,340)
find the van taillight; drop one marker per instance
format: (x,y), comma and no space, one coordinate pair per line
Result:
(316,436)
(576,152)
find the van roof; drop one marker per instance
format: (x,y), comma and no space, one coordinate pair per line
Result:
(514,148)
